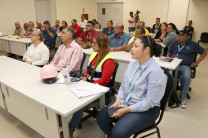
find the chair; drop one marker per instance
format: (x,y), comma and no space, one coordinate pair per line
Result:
(203,37)
(78,73)
(163,104)
(109,97)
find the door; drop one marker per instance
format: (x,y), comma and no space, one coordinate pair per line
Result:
(109,11)
(43,10)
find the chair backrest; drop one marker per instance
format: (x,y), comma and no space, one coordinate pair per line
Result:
(204,37)
(168,91)
(111,84)
(83,60)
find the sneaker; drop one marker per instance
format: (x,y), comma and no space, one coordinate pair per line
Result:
(183,104)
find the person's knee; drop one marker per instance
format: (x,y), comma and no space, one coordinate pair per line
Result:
(118,133)
(101,116)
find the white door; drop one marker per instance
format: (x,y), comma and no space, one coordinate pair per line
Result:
(109,11)
(43,10)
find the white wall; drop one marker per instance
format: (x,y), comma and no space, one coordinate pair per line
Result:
(198,11)
(73,9)
(15,10)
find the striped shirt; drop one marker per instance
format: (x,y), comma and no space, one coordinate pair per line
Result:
(70,56)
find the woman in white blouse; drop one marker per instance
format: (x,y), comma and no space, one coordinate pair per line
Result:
(37,53)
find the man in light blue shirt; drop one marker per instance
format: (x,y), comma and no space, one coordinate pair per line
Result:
(119,38)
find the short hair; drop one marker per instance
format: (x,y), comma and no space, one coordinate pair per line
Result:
(143,22)
(31,22)
(158,18)
(142,30)
(131,12)
(121,26)
(111,22)
(92,23)
(47,22)
(17,22)
(71,31)
(190,21)
(74,20)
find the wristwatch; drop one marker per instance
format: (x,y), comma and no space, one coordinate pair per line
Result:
(88,46)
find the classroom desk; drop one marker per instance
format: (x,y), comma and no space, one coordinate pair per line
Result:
(35,103)
(124,58)
(152,35)
(15,46)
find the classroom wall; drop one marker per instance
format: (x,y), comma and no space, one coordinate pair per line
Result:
(198,10)
(150,10)
(73,9)
(15,10)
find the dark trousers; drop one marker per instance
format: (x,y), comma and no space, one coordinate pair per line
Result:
(129,124)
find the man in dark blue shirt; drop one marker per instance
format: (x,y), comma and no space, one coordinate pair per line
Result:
(109,29)
(185,49)
(49,35)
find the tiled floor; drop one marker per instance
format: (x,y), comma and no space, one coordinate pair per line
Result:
(177,123)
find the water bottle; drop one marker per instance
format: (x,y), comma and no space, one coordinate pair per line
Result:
(66,75)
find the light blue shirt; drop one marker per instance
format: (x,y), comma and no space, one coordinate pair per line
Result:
(148,90)
(119,41)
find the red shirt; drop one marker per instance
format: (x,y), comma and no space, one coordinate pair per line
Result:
(78,30)
(88,38)
(107,71)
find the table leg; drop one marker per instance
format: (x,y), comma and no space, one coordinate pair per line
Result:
(65,127)
(102,104)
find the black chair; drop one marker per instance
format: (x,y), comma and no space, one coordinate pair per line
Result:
(163,104)
(109,97)
(203,37)
(78,73)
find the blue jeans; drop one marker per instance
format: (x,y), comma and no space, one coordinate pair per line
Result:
(76,118)
(129,124)
(184,74)
(131,29)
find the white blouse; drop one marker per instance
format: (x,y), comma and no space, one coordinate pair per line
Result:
(38,55)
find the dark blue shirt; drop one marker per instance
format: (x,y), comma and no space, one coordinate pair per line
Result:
(47,37)
(119,41)
(108,32)
(186,54)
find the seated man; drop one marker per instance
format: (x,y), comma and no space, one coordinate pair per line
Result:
(156,26)
(119,38)
(69,53)
(76,28)
(189,28)
(184,49)
(86,38)
(142,25)
(57,26)
(18,29)
(49,35)
(109,30)
(39,26)
(30,29)
(140,32)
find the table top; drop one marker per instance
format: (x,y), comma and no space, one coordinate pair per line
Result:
(123,56)
(25,79)
(20,40)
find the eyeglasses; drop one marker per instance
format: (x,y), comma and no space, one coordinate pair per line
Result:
(88,25)
(148,39)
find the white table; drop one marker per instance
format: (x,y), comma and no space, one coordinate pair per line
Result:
(14,46)
(35,103)
(152,35)
(123,58)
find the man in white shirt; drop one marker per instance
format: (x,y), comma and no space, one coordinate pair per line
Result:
(83,23)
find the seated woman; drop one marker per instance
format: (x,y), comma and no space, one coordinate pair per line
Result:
(163,29)
(99,71)
(37,53)
(64,25)
(97,25)
(22,34)
(140,93)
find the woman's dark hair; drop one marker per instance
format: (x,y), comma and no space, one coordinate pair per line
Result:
(111,22)
(94,21)
(174,27)
(155,48)
(65,22)
(74,20)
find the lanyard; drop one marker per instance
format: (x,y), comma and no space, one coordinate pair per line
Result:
(88,37)
(132,83)
(179,49)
